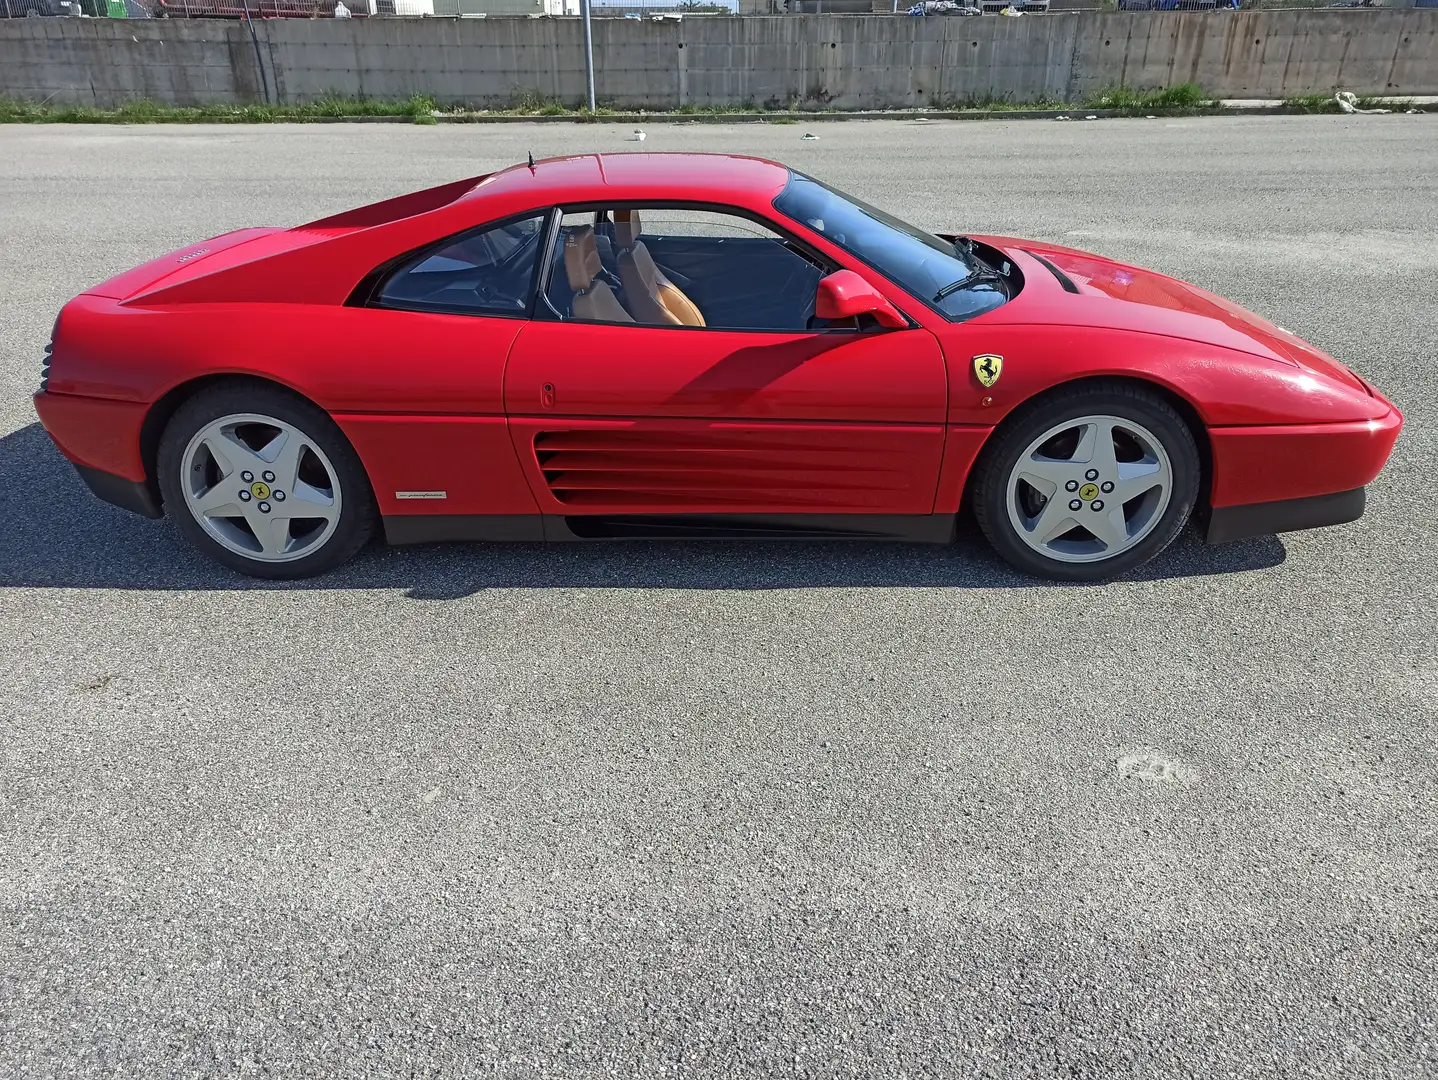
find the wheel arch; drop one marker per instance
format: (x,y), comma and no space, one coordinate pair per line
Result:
(158,417)
(1185,408)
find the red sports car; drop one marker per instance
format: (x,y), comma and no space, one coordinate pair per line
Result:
(689,345)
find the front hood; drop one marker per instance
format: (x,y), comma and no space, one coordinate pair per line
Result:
(1188,311)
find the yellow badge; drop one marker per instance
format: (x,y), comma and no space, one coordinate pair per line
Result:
(1088,492)
(259,490)
(988,368)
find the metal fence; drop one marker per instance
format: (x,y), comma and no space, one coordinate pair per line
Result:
(364,9)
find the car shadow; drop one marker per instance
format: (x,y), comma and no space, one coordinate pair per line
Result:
(55,534)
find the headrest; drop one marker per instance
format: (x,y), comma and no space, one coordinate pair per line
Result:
(581,258)
(626,227)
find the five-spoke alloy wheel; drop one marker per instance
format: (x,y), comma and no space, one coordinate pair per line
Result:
(265,482)
(1087,485)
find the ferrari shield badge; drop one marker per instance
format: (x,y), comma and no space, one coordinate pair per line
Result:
(988,368)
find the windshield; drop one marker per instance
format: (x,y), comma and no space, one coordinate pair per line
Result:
(921,263)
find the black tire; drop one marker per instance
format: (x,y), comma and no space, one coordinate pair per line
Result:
(989,490)
(357,509)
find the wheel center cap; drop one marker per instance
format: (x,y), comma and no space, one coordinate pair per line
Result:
(1087,493)
(262,491)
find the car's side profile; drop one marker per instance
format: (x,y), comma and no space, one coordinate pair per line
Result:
(689,345)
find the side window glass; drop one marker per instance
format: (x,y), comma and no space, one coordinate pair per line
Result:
(487,271)
(678,268)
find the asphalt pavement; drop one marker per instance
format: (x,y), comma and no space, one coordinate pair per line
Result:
(722,810)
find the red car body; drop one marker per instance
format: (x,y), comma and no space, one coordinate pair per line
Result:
(534,428)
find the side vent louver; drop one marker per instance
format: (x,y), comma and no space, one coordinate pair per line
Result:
(661,469)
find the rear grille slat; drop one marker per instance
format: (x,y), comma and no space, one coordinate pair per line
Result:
(45,365)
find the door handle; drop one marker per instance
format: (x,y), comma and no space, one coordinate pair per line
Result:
(546,395)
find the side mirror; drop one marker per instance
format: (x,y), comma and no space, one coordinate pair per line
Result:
(844,294)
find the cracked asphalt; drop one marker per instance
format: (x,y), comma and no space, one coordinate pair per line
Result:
(686,810)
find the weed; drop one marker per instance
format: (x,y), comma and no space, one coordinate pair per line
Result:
(1177,99)
(12,111)
(1312,103)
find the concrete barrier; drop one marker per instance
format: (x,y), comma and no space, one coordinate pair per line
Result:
(845,62)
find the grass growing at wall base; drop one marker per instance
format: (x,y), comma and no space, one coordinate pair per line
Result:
(1184,99)
(419,108)
(1328,103)
(1171,100)
(423,110)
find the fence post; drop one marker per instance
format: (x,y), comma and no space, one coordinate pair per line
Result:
(259,63)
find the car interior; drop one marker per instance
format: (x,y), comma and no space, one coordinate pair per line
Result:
(732,282)
(489,271)
(702,272)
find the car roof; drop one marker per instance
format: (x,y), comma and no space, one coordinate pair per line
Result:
(639,175)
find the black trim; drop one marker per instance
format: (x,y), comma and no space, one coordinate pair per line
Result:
(1064,279)
(446,528)
(460,528)
(135,496)
(1227,523)
(544,265)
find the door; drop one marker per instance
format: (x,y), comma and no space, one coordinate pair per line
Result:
(681,370)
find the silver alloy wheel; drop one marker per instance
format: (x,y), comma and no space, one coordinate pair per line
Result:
(261,487)
(1089,489)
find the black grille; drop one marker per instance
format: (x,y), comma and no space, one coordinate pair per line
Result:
(45,366)
(1064,279)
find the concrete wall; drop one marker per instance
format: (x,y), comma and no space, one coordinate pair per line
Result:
(845,62)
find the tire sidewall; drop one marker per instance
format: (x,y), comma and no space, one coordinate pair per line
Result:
(998,459)
(357,510)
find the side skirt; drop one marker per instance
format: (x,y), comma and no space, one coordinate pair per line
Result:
(445,528)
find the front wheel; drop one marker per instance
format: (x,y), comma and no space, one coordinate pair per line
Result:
(1089,485)
(264,482)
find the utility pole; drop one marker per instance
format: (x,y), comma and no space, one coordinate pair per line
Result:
(588,54)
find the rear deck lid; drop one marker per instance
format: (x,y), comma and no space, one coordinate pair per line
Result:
(179,264)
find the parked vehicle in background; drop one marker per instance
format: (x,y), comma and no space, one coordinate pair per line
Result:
(285,9)
(20,9)
(1028,7)
(235,9)
(1175,5)
(978,7)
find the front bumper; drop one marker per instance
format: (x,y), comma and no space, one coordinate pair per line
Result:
(1286,462)
(1282,478)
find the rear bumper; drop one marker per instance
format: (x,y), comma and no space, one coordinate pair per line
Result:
(98,433)
(132,495)
(1227,523)
(101,438)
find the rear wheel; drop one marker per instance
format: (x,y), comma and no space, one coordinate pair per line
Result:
(264,482)
(1088,485)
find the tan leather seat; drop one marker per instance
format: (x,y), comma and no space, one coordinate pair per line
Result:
(652,297)
(593,300)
